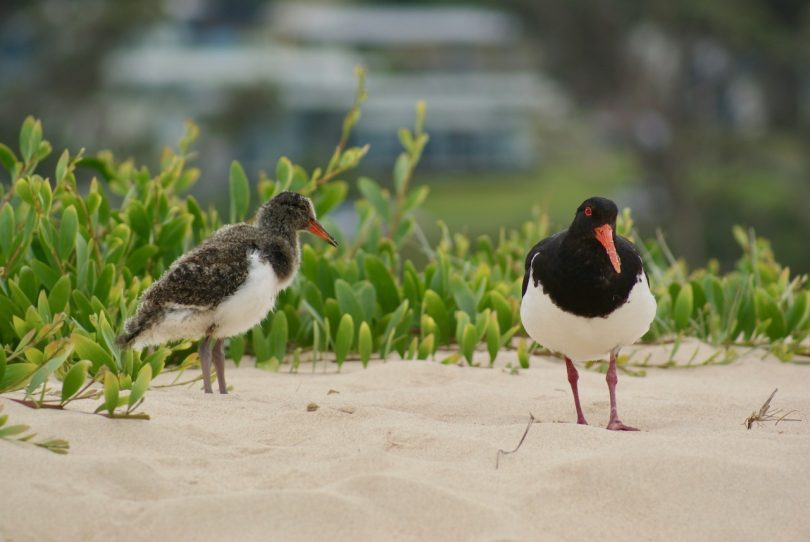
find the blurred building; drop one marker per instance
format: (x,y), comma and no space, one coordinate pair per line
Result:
(282,83)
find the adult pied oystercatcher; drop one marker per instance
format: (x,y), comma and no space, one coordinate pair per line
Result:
(585,295)
(226,285)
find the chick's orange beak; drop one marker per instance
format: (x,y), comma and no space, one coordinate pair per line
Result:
(604,234)
(316,228)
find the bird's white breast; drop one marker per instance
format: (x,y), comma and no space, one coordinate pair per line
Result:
(581,338)
(251,302)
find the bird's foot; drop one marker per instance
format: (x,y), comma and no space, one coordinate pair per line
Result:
(582,421)
(617,425)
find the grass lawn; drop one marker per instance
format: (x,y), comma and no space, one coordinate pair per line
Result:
(479,203)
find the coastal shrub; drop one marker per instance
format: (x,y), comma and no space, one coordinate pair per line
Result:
(74,260)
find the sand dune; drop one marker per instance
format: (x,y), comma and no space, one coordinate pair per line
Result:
(406,451)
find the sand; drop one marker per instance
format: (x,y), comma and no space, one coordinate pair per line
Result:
(406,451)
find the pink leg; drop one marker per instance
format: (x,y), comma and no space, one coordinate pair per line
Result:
(573,376)
(615,423)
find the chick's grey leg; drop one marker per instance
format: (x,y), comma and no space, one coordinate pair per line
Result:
(219,364)
(205,363)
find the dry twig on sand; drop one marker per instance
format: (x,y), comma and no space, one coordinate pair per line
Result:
(765,414)
(504,452)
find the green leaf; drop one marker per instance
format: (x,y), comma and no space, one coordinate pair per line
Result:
(462,319)
(405,138)
(367,297)
(138,258)
(413,348)
(347,301)
(767,309)
(110,391)
(173,232)
(493,338)
(30,138)
(2,363)
(426,347)
(434,307)
(415,198)
(330,196)
(364,344)
(682,312)
(7,230)
(402,169)
(284,173)
(799,312)
(523,354)
(16,376)
(198,223)
(62,166)
(138,219)
(140,385)
(391,328)
(463,295)
(47,275)
(104,282)
(344,338)
(43,307)
(11,430)
(278,336)
(67,232)
(746,318)
(45,370)
(7,158)
(240,192)
(372,192)
(261,346)
(383,281)
(156,359)
(87,348)
(74,379)
(236,349)
(502,308)
(469,340)
(23,189)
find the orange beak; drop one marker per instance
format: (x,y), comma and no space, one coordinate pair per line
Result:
(316,228)
(604,234)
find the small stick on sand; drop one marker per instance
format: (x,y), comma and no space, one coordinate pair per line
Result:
(765,414)
(504,452)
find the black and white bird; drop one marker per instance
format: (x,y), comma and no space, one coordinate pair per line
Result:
(227,285)
(586,295)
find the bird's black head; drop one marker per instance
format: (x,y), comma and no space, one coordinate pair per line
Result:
(596,218)
(595,212)
(292,211)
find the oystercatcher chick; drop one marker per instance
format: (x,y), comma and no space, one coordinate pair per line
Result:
(226,285)
(585,295)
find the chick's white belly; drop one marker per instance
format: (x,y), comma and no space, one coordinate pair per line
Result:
(581,338)
(250,304)
(178,322)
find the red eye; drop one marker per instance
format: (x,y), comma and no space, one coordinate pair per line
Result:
(588,211)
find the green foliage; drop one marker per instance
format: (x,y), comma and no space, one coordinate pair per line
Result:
(72,267)
(758,303)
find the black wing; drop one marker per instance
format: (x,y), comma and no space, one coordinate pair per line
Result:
(537,250)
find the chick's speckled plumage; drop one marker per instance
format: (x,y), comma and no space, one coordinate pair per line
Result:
(187,301)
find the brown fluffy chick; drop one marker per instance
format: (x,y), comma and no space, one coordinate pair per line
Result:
(226,285)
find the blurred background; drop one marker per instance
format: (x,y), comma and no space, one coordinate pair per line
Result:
(694,113)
